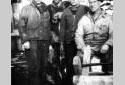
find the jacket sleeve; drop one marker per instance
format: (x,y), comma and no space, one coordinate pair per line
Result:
(50,12)
(110,39)
(47,19)
(47,23)
(79,35)
(22,24)
(62,28)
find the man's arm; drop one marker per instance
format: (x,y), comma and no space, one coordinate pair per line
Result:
(110,40)
(79,35)
(82,10)
(47,19)
(22,24)
(62,27)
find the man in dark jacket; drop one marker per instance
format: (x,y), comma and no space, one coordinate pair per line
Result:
(54,23)
(69,20)
(34,28)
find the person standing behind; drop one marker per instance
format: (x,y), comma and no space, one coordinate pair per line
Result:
(95,29)
(68,26)
(54,24)
(34,29)
(81,10)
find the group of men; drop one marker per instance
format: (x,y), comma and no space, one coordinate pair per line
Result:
(69,26)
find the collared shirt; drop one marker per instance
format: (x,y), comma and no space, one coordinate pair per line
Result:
(94,33)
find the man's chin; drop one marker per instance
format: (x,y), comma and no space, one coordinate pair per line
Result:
(93,10)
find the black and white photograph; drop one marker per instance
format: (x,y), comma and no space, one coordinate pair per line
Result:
(62,42)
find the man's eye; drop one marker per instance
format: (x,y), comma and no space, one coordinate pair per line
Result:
(90,2)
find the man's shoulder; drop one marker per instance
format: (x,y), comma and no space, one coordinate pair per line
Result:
(85,19)
(28,7)
(85,16)
(82,9)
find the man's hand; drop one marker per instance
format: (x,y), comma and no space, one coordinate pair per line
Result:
(55,37)
(26,45)
(58,15)
(104,48)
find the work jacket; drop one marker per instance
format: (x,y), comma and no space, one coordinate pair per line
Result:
(94,33)
(33,24)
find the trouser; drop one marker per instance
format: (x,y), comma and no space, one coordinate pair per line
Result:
(105,58)
(70,51)
(37,61)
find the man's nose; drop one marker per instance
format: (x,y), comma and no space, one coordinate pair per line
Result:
(92,5)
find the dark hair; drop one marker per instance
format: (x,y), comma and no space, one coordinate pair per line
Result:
(15,1)
(100,0)
(66,4)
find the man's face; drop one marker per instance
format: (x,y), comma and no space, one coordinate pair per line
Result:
(94,5)
(74,2)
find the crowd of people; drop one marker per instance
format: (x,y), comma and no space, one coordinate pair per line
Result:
(52,35)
